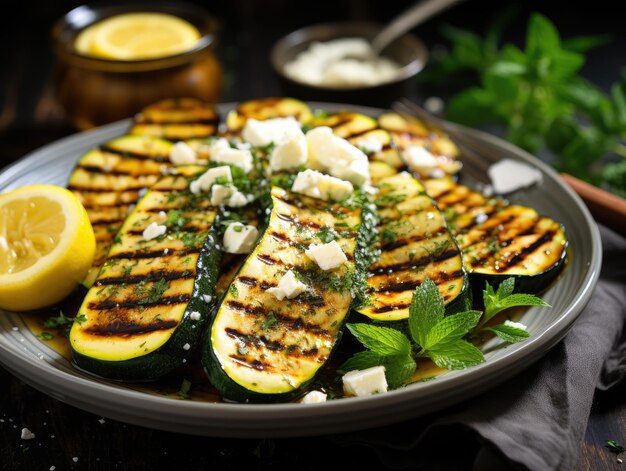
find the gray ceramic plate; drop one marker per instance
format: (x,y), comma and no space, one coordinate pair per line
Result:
(41,367)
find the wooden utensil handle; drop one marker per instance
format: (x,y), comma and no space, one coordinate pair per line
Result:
(606,208)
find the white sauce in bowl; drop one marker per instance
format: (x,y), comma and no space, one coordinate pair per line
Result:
(333,64)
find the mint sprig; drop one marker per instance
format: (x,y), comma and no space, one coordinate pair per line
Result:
(434,335)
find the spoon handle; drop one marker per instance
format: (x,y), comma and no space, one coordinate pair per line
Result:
(415,15)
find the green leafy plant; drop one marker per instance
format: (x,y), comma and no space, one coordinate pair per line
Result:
(539,95)
(443,339)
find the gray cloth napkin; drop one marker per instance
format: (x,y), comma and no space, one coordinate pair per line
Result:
(537,420)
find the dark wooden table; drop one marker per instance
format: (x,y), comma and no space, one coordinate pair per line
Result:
(69,438)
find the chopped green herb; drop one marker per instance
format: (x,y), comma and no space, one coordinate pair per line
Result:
(270,322)
(45,336)
(232,289)
(614,447)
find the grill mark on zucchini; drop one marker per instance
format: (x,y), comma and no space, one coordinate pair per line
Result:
(121,329)
(81,188)
(411,285)
(272,345)
(152,276)
(401,242)
(155,253)
(413,264)
(138,303)
(134,155)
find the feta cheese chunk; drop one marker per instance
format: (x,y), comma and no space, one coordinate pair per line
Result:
(371,145)
(238,199)
(517,325)
(220,194)
(154,230)
(327,256)
(206,180)
(365,382)
(508,175)
(336,156)
(27,434)
(240,158)
(182,154)
(290,152)
(262,133)
(317,185)
(313,397)
(419,158)
(227,195)
(239,238)
(217,146)
(288,287)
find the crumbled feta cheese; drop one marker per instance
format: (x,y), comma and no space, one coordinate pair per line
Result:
(15,329)
(371,145)
(186,346)
(154,230)
(336,156)
(327,256)
(419,158)
(365,382)
(206,298)
(52,468)
(238,157)
(75,459)
(217,146)
(237,200)
(317,185)
(288,287)
(508,175)
(102,421)
(195,316)
(182,154)
(27,434)
(239,238)
(162,214)
(262,133)
(208,178)
(290,152)
(314,397)
(517,325)
(220,194)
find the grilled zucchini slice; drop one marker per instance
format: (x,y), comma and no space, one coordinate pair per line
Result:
(500,240)
(147,309)
(260,349)
(409,132)
(266,108)
(108,181)
(177,119)
(414,244)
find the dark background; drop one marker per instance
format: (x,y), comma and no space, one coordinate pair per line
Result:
(29,118)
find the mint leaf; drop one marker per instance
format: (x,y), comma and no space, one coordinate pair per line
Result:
(456,355)
(504,298)
(451,328)
(360,361)
(542,37)
(398,369)
(426,310)
(381,340)
(509,333)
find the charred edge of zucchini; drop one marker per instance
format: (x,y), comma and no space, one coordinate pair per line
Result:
(173,353)
(535,283)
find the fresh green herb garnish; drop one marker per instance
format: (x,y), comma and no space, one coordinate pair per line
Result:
(61,322)
(45,336)
(183,392)
(434,335)
(270,322)
(175,219)
(232,289)
(153,294)
(539,95)
(327,234)
(614,447)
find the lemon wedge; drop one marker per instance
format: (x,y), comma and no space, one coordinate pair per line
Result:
(137,36)
(47,245)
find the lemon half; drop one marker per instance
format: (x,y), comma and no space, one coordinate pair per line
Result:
(47,245)
(137,36)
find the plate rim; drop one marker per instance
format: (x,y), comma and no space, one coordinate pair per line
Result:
(477,379)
